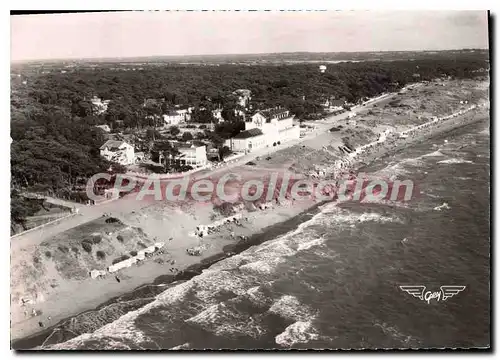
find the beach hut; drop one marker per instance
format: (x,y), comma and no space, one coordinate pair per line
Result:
(95,274)
(113,268)
(150,250)
(122,265)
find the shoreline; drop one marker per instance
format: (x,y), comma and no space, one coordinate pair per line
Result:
(154,217)
(278,225)
(167,280)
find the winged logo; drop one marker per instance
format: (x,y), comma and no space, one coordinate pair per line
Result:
(451,290)
(415,290)
(447,291)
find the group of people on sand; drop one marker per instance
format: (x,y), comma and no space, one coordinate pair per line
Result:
(34,313)
(347,163)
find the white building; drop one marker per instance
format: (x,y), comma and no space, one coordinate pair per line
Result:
(98,106)
(334,104)
(274,126)
(193,155)
(244,97)
(118,151)
(186,113)
(217,114)
(104,127)
(175,117)
(247,140)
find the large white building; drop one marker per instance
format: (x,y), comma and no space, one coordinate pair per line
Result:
(247,141)
(118,151)
(193,154)
(175,117)
(265,128)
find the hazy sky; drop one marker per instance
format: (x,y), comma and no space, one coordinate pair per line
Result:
(129,34)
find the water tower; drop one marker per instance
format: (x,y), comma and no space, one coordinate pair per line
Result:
(322,68)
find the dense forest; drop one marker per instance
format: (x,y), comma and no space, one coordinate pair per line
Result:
(55,145)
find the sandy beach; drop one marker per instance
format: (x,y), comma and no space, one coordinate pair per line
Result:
(174,225)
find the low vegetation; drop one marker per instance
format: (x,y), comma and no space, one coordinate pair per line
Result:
(225,209)
(87,246)
(101,255)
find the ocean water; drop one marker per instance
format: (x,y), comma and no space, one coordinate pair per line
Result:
(330,279)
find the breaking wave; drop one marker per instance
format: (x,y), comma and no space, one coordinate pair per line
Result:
(299,332)
(436,153)
(455,161)
(393,171)
(290,308)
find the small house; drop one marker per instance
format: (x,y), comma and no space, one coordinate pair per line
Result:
(118,151)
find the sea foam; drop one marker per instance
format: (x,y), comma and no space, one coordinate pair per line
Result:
(298,332)
(455,161)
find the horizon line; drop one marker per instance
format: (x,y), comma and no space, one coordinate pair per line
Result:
(240,54)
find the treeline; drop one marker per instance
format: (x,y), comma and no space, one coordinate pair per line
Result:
(298,87)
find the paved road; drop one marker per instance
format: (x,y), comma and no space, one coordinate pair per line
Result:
(129,203)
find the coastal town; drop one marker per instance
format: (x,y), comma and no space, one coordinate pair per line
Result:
(248,200)
(273,143)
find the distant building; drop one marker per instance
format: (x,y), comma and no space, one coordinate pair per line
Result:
(337,105)
(239,112)
(175,117)
(105,127)
(186,113)
(332,104)
(151,103)
(265,128)
(118,151)
(194,154)
(322,68)
(244,97)
(99,106)
(217,114)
